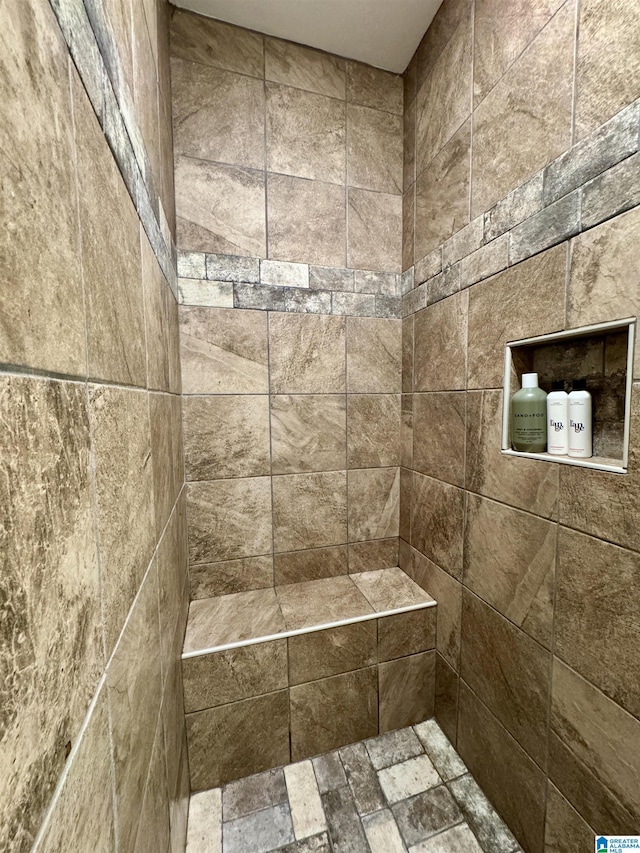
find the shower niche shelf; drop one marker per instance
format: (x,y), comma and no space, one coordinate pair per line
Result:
(603,353)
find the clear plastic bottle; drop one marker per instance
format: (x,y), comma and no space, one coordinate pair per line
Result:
(558,420)
(580,424)
(529,416)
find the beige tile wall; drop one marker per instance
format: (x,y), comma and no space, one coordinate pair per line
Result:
(93,538)
(284,152)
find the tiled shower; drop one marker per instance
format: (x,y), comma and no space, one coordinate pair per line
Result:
(253,312)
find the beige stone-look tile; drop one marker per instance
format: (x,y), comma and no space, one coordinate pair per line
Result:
(373,430)
(514,784)
(110,256)
(374,150)
(439,436)
(437,515)
(306,134)
(596,629)
(407,355)
(440,335)
(565,830)
(307,353)
(374,503)
(153,828)
(226,436)
(406,633)
(409,145)
(179,804)
(41,311)
(145,87)
(386,589)
(374,240)
(506,307)
(407,690)
(134,692)
(604,274)
(232,618)
(307,221)
(446,701)
(522,483)
(509,561)
(305,68)
(217,115)
(319,654)
(373,87)
(308,433)
(50,634)
(164,490)
(607,62)
(124,486)
(173,594)
(309,510)
(237,740)
(228,676)
(229,519)
(442,193)
(374,355)
(82,815)
(438,35)
(373,555)
(321,602)
(448,593)
(518,117)
(595,752)
(223,351)
(202,39)
(509,672)
(159,320)
(332,712)
(309,565)
(219,208)
(406,485)
(408,227)
(502,30)
(207,580)
(444,98)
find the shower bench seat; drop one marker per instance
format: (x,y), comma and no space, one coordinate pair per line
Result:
(280,674)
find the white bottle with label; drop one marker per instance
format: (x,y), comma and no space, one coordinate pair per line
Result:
(558,420)
(580,427)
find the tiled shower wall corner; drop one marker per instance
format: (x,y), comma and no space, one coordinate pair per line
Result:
(535,566)
(94,589)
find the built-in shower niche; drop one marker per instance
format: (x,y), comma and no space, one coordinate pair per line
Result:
(603,355)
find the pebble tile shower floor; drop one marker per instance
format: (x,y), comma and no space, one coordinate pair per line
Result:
(406,790)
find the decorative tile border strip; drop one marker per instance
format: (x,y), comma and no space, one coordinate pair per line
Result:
(97,61)
(233,281)
(595,180)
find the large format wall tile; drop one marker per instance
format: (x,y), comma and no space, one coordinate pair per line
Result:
(518,128)
(374,240)
(526,300)
(320,654)
(446,698)
(509,672)
(215,43)
(41,275)
(440,336)
(442,193)
(223,351)
(597,601)
(161,326)
(374,503)
(373,428)
(407,687)
(307,221)
(110,256)
(448,593)
(374,150)
(229,519)
(308,433)
(229,576)
(512,781)
(217,115)
(313,564)
(309,510)
(219,208)
(502,30)
(565,831)
(437,37)
(305,68)
(226,436)
(306,134)
(373,87)
(595,756)
(509,561)
(608,62)
(307,353)
(444,98)
(374,355)
(50,636)
(162,452)
(439,436)
(437,514)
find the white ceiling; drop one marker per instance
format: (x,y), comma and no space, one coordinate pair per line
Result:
(384,33)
